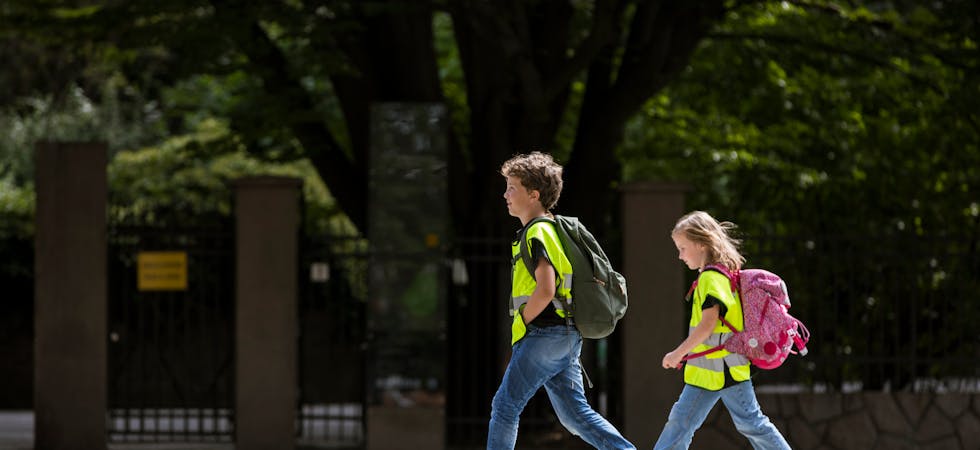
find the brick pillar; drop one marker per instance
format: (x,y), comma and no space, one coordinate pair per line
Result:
(70,296)
(267,224)
(655,322)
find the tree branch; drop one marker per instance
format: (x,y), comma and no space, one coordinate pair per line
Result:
(662,40)
(345,179)
(603,32)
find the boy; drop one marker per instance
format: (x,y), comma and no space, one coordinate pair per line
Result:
(546,344)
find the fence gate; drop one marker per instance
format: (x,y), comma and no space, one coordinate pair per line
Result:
(332,347)
(171,348)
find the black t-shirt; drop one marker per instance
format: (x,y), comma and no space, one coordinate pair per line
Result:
(548,317)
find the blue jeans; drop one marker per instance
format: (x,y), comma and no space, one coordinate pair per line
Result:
(694,404)
(548,357)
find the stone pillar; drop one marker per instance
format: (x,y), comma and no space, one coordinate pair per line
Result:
(70,296)
(655,322)
(267,225)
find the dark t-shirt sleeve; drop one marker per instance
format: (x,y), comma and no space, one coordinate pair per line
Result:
(537,252)
(710,300)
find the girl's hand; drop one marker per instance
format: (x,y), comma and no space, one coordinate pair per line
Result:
(709,317)
(672,360)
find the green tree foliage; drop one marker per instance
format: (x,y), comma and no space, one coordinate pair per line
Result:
(297,79)
(150,183)
(307,73)
(192,176)
(67,116)
(779,101)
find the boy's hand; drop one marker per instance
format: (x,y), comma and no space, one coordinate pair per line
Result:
(672,360)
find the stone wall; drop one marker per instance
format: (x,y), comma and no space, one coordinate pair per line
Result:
(858,421)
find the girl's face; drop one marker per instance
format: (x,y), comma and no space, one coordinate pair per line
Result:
(693,254)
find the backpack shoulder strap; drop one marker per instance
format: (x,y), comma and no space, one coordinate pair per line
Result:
(525,253)
(732,279)
(732,276)
(582,237)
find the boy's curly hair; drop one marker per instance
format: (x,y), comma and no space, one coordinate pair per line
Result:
(537,171)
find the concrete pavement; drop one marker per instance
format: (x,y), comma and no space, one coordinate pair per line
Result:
(17,433)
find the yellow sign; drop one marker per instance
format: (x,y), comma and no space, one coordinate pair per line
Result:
(162,271)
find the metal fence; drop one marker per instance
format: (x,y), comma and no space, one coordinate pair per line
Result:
(332,342)
(171,352)
(894,312)
(16,322)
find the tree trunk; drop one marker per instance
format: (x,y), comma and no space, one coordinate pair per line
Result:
(395,62)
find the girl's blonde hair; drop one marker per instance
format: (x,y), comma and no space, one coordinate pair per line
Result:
(722,248)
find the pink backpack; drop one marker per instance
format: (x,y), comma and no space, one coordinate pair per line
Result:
(770,331)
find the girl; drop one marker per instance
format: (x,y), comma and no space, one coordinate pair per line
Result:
(702,240)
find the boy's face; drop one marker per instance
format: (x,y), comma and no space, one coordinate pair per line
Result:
(520,202)
(693,254)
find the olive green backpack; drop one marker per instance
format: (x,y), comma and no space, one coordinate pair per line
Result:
(598,292)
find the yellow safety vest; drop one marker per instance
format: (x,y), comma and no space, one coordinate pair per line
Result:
(523,283)
(708,371)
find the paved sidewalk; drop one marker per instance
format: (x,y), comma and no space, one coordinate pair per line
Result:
(17,433)
(16,430)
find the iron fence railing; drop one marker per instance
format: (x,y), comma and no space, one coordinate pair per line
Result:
(332,406)
(894,312)
(171,352)
(887,313)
